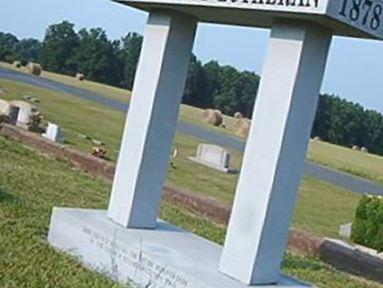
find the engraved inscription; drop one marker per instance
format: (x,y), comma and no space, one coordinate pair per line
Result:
(154,275)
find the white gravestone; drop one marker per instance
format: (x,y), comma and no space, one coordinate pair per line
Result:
(25,112)
(53,133)
(127,241)
(213,156)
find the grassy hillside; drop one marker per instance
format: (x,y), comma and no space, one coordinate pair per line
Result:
(321,207)
(188,113)
(365,165)
(340,158)
(31,184)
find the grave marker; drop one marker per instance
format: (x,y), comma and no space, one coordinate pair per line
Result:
(301,32)
(213,156)
(53,132)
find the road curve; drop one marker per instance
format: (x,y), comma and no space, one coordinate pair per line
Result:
(348,181)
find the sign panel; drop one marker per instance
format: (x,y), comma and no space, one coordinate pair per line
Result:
(357,18)
(366,15)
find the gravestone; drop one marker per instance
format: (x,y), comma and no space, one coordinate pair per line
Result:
(213,156)
(24,114)
(53,133)
(345,230)
(128,241)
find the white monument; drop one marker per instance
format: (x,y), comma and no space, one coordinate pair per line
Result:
(25,112)
(128,241)
(53,132)
(213,156)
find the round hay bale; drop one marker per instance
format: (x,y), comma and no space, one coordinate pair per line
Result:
(364,150)
(242,127)
(238,115)
(34,68)
(356,148)
(16,64)
(317,138)
(213,117)
(80,76)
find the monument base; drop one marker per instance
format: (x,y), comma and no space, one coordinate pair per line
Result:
(160,258)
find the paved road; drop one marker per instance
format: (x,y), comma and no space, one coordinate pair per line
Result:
(350,182)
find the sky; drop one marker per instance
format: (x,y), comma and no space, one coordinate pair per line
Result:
(354,69)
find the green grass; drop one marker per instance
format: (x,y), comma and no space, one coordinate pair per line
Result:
(105,90)
(187,113)
(365,165)
(321,207)
(31,184)
(355,162)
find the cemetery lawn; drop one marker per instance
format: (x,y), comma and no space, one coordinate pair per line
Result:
(321,207)
(340,158)
(32,183)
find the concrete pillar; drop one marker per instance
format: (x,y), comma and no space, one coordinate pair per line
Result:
(275,152)
(151,121)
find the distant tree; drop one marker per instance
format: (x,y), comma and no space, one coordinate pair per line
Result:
(194,93)
(212,72)
(28,49)
(8,43)
(97,57)
(248,83)
(226,98)
(131,49)
(59,45)
(345,123)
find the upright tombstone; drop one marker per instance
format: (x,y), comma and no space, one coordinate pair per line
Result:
(53,133)
(127,241)
(25,111)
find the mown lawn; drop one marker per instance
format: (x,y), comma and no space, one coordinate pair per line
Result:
(340,158)
(188,113)
(321,207)
(365,165)
(32,183)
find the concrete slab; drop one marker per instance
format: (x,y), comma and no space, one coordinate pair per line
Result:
(164,257)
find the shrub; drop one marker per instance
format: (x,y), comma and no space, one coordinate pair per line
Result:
(367,228)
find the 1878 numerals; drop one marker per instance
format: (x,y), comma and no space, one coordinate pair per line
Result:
(366,10)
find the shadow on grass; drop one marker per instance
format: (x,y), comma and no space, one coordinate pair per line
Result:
(6,197)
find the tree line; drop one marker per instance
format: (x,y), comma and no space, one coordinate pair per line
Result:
(208,85)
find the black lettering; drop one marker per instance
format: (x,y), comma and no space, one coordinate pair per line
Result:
(271,2)
(375,21)
(301,3)
(281,3)
(343,9)
(290,2)
(316,3)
